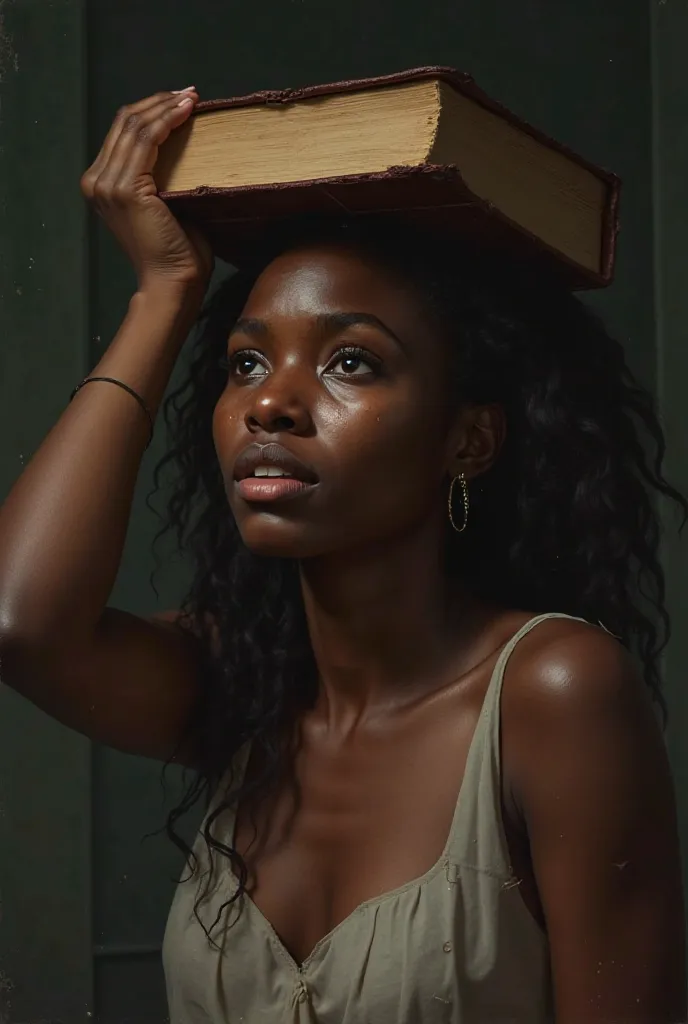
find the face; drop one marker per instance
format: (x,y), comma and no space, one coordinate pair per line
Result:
(336,429)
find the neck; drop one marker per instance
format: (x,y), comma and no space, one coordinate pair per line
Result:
(383,627)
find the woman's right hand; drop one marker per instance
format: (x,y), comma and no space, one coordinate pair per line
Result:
(120,185)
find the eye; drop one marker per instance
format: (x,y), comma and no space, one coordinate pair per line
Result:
(354,362)
(244,364)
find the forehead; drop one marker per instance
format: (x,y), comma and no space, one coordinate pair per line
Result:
(316,280)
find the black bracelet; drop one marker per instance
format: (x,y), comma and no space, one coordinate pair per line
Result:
(120,384)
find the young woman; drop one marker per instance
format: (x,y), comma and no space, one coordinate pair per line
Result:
(418,485)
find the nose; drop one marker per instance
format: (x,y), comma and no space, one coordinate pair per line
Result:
(279,406)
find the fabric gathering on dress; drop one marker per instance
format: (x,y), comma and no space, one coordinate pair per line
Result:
(455,946)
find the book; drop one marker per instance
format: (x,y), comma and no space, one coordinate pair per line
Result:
(427,145)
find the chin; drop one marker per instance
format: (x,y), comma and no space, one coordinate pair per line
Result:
(270,536)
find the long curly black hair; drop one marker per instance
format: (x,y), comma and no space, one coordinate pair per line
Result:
(566,520)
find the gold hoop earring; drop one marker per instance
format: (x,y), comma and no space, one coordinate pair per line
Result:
(464,494)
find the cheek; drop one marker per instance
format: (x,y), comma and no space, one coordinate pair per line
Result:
(390,454)
(227,420)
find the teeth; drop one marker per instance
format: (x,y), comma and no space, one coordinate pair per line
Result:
(269,471)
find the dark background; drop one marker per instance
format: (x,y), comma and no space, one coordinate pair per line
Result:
(83,900)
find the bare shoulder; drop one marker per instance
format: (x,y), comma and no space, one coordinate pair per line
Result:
(586,771)
(566,669)
(576,713)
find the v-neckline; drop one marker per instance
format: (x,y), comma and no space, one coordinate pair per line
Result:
(475,751)
(300,968)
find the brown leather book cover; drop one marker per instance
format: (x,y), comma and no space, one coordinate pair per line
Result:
(429,195)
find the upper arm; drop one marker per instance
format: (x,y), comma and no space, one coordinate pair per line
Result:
(592,779)
(132,685)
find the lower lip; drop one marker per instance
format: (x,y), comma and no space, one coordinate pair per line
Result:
(275,488)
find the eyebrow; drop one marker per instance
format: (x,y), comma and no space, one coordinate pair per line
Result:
(247,325)
(328,322)
(340,321)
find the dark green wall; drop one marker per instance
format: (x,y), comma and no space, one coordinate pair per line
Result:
(577,68)
(45,772)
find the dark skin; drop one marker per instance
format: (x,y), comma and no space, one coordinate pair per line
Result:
(404,660)
(404,669)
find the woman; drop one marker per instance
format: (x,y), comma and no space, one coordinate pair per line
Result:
(420,510)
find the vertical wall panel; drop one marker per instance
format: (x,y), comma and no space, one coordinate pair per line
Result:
(45,828)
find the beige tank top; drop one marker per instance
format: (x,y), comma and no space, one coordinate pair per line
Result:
(455,946)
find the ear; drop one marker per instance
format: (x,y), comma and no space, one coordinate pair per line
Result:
(475,440)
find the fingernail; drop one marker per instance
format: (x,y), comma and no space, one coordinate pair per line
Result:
(186,102)
(178,92)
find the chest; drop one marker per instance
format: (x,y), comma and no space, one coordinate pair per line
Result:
(356,820)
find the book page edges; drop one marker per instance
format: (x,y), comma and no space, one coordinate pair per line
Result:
(536,186)
(346,134)
(461,81)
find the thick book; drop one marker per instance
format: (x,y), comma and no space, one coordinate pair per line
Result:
(427,145)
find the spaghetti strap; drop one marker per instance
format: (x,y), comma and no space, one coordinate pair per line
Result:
(479,807)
